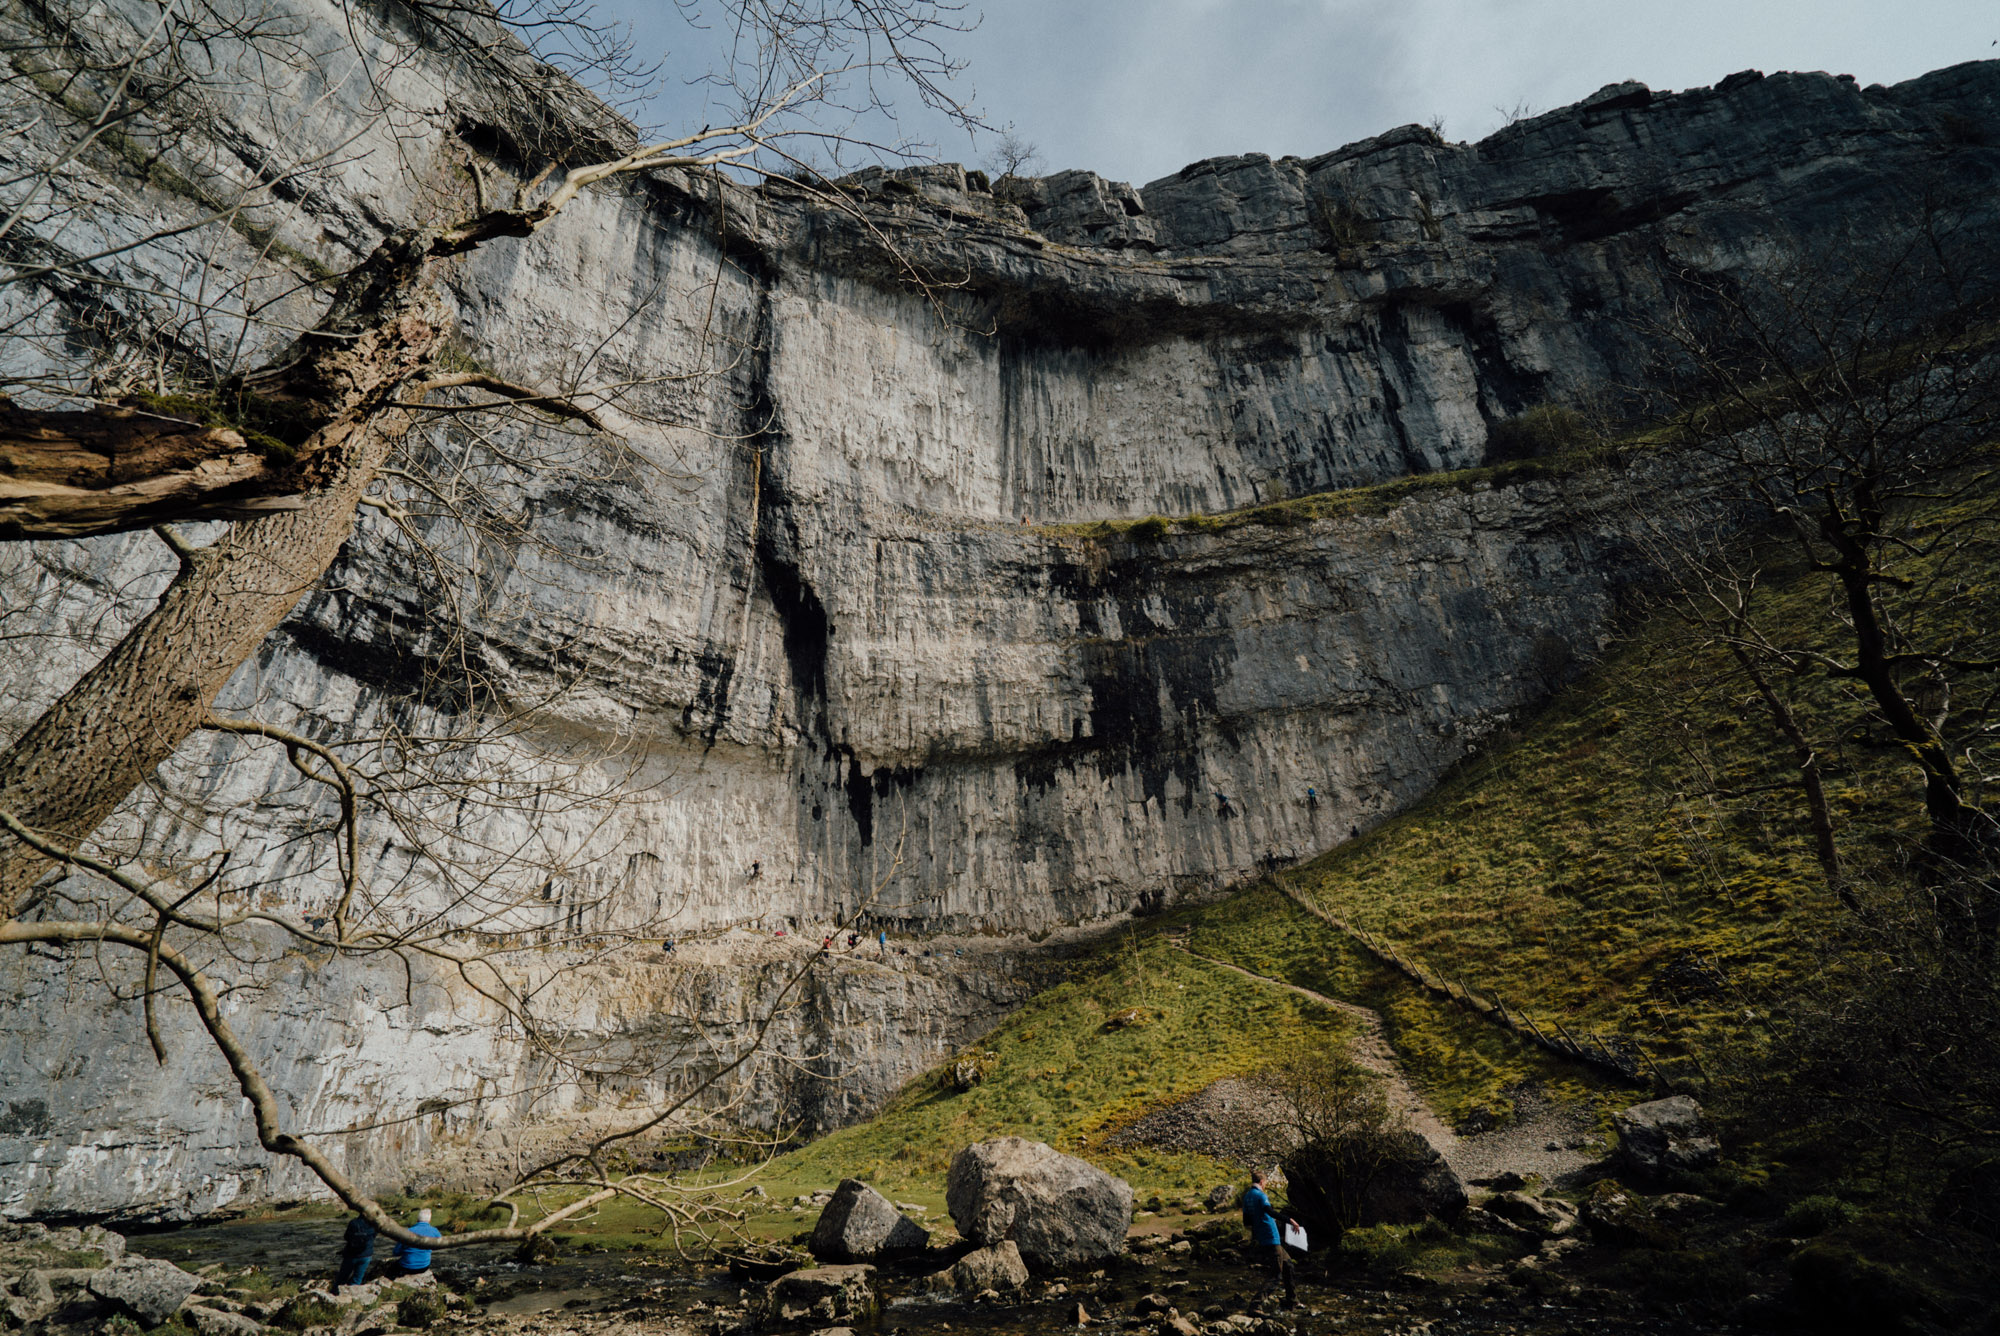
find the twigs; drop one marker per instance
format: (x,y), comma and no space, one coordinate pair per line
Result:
(553,404)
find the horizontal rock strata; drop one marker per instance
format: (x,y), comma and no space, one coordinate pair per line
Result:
(843,628)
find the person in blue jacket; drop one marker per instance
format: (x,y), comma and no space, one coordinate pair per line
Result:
(411,1259)
(1266,1244)
(357,1250)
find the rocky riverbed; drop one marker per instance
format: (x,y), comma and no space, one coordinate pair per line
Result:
(1183,1277)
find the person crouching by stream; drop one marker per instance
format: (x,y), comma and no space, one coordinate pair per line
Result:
(1266,1244)
(411,1259)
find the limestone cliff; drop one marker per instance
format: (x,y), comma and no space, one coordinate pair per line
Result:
(851,611)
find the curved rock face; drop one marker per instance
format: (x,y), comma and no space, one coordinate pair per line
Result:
(845,614)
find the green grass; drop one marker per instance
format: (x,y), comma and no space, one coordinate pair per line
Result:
(1463,1065)
(1061,1077)
(1374,499)
(1567,870)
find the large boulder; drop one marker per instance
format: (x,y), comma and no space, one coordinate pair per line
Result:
(1665,1137)
(862,1225)
(824,1294)
(149,1289)
(1058,1210)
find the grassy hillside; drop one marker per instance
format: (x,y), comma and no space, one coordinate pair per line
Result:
(1633,861)
(1141,1026)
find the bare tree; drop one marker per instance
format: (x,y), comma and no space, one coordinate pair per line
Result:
(271,393)
(1013,154)
(1848,401)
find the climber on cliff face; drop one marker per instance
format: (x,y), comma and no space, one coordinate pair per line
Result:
(1222,807)
(357,1250)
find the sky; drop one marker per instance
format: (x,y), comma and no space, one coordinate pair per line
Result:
(1137,89)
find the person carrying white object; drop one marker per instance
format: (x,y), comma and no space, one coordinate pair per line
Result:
(1265,1242)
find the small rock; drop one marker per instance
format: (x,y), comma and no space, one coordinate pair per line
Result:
(1682,1206)
(37,1298)
(999,1268)
(1619,1216)
(1478,1220)
(1180,1326)
(17,1311)
(104,1241)
(1543,1215)
(148,1288)
(1149,1304)
(1504,1181)
(837,1331)
(824,1294)
(214,1322)
(1080,1318)
(756,1190)
(1665,1137)
(1219,1197)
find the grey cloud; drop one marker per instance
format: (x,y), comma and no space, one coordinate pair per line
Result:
(1136,89)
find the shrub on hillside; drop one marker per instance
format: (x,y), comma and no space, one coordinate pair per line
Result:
(1810,1217)
(423,1309)
(308,1310)
(1339,1139)
(1540,432)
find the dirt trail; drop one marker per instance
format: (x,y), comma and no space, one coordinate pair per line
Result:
(1543,1139)
(1371,1049)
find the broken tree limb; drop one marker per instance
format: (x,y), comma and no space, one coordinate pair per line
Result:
(116,468)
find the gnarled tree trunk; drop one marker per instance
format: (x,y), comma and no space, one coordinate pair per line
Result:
(75,764)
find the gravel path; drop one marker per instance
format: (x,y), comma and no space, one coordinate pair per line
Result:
(1543,1137)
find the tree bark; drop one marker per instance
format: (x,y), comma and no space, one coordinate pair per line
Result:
(88,751)
(108,470)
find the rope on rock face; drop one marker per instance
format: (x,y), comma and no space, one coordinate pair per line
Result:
(1619,1056)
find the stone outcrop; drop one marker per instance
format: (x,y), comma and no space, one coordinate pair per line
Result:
(862,1225)
(812,605)
(1059,1211)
